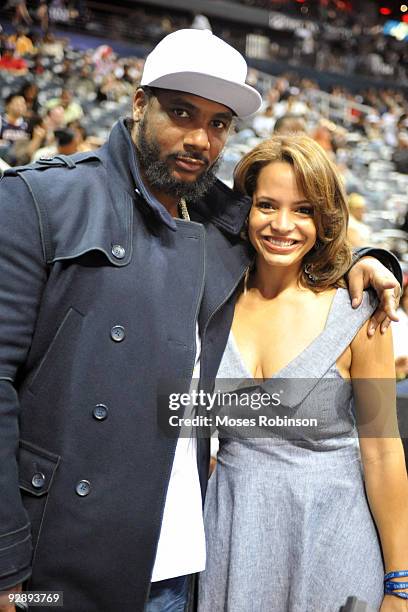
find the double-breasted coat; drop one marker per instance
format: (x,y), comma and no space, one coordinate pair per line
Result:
(100,291)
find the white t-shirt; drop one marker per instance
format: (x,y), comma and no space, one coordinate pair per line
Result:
(181,548)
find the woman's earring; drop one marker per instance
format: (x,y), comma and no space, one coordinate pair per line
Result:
(246,277)
(308,271)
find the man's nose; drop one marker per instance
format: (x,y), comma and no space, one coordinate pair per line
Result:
(197,139)
(282,221)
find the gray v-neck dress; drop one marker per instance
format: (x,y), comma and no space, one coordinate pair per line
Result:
(288,525)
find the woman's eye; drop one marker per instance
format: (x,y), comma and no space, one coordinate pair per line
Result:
(266,205)
(305,210)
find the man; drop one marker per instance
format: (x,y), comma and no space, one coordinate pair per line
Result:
(72,109)
(107,288)
(67,142)
(13,126)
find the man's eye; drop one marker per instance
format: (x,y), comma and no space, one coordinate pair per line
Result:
(219,125)
(180,112)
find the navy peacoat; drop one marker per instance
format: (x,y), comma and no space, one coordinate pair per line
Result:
(100,292)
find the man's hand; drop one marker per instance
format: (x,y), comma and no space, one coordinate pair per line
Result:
(5,605)
(39,133)
(369,272)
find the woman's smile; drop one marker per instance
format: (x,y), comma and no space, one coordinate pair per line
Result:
(280,245)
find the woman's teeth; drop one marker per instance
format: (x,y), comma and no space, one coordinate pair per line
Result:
(282,243)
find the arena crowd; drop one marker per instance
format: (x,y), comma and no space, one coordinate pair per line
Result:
(57,99)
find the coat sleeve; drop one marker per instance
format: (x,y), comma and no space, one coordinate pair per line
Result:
(385,257)
(23,275)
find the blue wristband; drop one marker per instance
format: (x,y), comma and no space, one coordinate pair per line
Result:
(400,574)
(397,594)
(394,586)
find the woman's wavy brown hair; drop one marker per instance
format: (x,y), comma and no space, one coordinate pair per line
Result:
(320,182)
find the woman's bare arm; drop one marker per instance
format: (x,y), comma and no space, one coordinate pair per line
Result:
(373,376)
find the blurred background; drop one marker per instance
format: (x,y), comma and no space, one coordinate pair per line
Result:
(336,69)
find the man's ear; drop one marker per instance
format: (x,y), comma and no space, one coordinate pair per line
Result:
(140,102)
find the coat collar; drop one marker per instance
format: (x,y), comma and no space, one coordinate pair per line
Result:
(224,208)
(221,205)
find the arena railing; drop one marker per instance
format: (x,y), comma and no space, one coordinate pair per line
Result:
(329,106)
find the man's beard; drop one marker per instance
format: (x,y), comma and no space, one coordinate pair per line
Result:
(157,173)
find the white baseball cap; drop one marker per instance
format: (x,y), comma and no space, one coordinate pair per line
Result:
(197,62)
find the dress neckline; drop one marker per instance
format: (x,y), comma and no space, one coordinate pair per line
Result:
(299,355)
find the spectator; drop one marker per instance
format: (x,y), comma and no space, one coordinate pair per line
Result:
(103,60)
(389,122)
(53,47)
(400,155)
(323,134)
(13,125)
(10,63)
(67,141)
(21,13)
(72,109)
(54,119)
(42,15)
(296,106)
(29,91)
(128,74)
(53,122)
(358,233)
(85,142)
(22,151)
(290,123)
(23,44)
(263,123)
(47,150)
(113,88)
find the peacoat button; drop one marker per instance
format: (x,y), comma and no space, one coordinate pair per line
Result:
(83,488)
(118,251)
(100,412)
(118,333)
(38,480)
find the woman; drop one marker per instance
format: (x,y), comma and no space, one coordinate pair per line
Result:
(30,91)
(288,522)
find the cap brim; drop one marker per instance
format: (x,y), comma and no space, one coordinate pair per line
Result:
(243,99)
